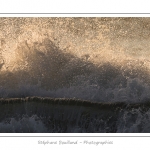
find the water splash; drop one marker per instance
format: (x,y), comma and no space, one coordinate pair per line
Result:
(99,59)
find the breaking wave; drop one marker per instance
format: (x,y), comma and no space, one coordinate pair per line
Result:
(75,57)
(56,74)
(94,59)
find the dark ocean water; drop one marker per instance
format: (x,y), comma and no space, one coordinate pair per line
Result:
(100,60)
(49,115)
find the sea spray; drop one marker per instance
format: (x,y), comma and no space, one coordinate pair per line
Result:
(94,71)
(98,59)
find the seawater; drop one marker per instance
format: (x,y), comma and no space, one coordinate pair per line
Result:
(94,59)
